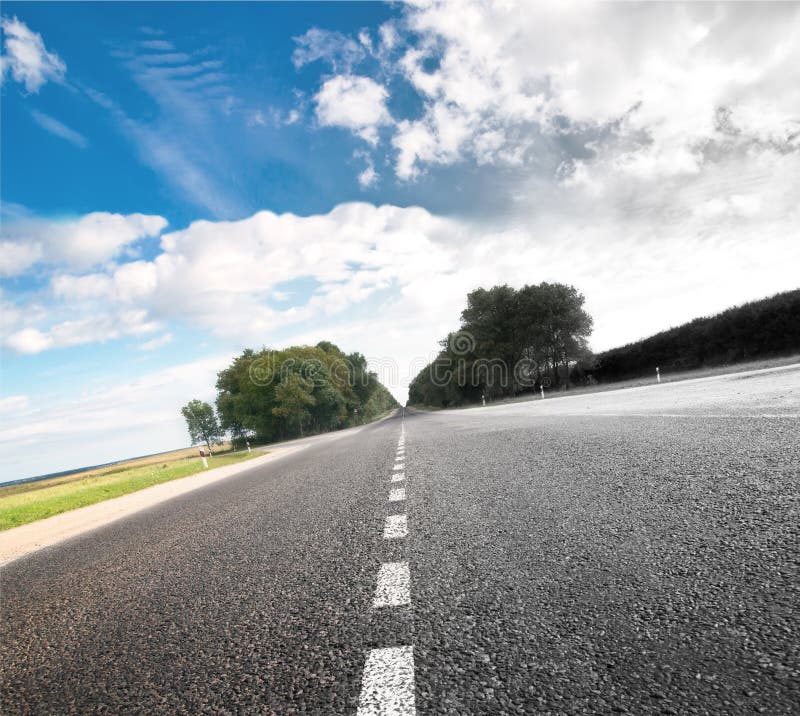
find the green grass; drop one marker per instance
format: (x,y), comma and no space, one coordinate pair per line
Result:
(19,508)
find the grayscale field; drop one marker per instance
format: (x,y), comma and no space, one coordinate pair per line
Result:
(633,551)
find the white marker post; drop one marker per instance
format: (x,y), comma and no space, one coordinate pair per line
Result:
(541,388)
(483,398)
(203,458)
(247,442)
(658,375)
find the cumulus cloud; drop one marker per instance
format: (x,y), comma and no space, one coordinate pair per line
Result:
(26,58)
(368,177)
(354,103)
(391,281)
(649,93)
(78,243)
(99,327)
(16,257)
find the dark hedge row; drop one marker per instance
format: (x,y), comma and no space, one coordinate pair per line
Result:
(761,329)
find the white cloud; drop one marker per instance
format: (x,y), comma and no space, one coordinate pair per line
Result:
(13,403)
(95,328)
(391,281)
(17,257)
(29,340)
(59,129)
(26,57)
(354,103)
(368,177)
(77,243)
(337,49)
(644,88)
(156,343)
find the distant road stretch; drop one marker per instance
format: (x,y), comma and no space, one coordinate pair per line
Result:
(623,552)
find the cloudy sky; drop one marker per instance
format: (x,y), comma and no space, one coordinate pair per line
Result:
(180,181)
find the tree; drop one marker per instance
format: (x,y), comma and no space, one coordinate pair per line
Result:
(294,398)
(556,326)
(273,395)
(201,420)
(509,341)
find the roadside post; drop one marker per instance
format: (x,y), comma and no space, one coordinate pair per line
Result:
(247,442)
(203,458)
(483,398)
(541,388)
(658,375)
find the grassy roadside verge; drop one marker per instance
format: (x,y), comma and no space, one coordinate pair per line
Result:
(18,505)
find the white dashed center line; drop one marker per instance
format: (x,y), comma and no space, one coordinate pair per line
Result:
(397,494)
(387,688)
(396,526)
(394,585)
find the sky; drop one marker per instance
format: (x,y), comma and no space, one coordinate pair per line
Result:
(179,181)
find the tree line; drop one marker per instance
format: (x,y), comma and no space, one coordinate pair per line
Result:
(515,341)
(760,329)
(271,395)
(510,341)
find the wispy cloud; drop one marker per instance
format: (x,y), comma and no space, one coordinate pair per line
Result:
(156,343)
(157,45)
(182,143)
(59,129)
(340,51)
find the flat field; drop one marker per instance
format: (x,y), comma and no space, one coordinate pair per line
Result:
(27,502)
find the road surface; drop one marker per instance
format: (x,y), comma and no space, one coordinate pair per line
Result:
(628,552)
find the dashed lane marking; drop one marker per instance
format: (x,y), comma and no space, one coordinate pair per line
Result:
(398,466)
(394,585)
(395,527)
(387,687)
(398,494)
(398,477)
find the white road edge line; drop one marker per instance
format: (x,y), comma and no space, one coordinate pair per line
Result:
(398,494)
(398,466)
(398,477)
(394,585)
(395,527)
(387,686)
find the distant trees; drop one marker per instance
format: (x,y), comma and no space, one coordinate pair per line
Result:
(510,340)
(202,423)
(277,394)
(761,329)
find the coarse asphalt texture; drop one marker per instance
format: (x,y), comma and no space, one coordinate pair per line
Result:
(628,552)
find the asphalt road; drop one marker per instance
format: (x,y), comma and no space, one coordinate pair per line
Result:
(632,552)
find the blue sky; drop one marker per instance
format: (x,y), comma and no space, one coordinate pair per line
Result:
(182,180)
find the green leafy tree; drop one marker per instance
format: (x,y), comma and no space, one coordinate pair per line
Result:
(509,340)
(294,395)
(202,423)
(273,394)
